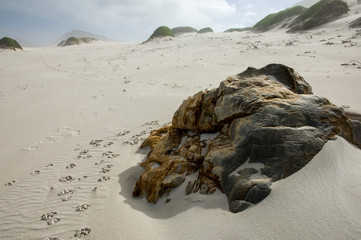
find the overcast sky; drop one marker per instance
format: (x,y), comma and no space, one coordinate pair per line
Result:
(44,21)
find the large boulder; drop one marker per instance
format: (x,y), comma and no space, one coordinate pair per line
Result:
(257,127)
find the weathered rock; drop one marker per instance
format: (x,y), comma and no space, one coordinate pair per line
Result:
(266,116)
(238,206)
(173,180)
(258,193)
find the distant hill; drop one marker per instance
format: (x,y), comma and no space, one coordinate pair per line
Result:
(277,19)
(299,18)
(205,30)
(181,30)
(76,41)
(238,29)
(82,34)
(9,43)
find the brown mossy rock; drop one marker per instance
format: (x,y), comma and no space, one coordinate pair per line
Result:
(266,117)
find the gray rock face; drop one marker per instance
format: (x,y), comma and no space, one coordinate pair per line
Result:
(269,126)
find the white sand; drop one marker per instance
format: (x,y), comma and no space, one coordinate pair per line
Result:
(55,101)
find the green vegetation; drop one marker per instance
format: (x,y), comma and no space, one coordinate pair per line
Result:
(238,29)
(9,43)
(277,18)
(76,41)
(320,13)
(205,30)
(162,31)
(181,30)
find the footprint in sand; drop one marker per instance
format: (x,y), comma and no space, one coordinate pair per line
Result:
(50,217)
(108,144)
(82,232)
(99,162)
(82,207)
(71,165)
(67,198)
(82,178)
(96,143)
(52,238)
(83,154)
(68,178)
(123,133)
(110,155)
(107,168)
(10,183)
(104,179)
(67,191)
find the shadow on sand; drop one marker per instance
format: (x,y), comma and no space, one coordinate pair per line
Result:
(180,202)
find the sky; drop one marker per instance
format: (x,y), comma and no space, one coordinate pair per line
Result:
(43,22)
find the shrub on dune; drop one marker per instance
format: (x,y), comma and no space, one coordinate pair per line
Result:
(9,43)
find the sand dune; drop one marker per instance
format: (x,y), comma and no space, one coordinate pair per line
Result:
(73,118)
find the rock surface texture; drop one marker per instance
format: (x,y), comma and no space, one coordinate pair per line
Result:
(257,127)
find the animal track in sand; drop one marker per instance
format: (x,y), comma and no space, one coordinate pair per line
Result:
(81,178)
(50,217)
(10,183)
(59,134)
(68,178)
(99,162)
(71,165)
(123,133)
(110,154)
(107,168)
(67,191)
(82,207)
(67,198)
(104,179)
(95,143)
(52,238)
(84,155)
(82,232)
